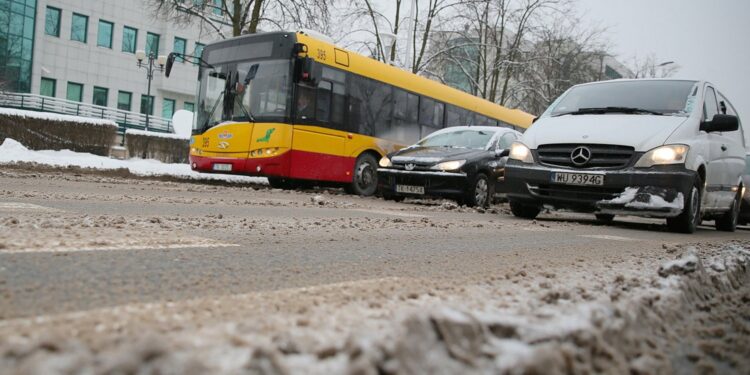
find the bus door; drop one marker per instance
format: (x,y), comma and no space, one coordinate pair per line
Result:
(319,147)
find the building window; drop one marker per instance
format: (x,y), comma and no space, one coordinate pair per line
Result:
(104,37)
(189,106)
(124,100)
(179,46)
(17,25)
(152,44)
(75,92)
(100,96)
(198,53)
(79,27)
(218,10)
(129,39)
(167,108)
(48,87)
(147,105)
(52,22)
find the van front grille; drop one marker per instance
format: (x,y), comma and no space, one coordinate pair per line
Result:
(602,156)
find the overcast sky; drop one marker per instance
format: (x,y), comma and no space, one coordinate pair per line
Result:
(709,39)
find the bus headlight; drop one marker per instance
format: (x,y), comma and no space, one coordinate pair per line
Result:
(450,165)
(385,162)
(670,154)
(519,151)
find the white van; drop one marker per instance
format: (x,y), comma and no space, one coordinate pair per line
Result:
(652,147)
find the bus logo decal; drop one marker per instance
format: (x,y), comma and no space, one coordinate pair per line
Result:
(223,145)
(266,137)
(225,135)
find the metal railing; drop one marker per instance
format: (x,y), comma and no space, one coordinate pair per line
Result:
(125,119)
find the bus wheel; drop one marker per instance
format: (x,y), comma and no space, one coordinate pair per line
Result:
(281,183)
(365,179)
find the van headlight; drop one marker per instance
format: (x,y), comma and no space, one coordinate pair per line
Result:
(519,151)
(449,165)
(385,162)
(670,154)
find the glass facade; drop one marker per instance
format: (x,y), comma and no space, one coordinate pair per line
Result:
(17,21)
(52,22)
(48,87)
(124,100)
(75,92)
(100,96)
(104,35)
(179,46)
(79,27)
(129,39)
(147,104)
(152,44)
(167,108)
(198,52)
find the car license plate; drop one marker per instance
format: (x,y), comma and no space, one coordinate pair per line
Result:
(410,189)
(578,178)
(223,167)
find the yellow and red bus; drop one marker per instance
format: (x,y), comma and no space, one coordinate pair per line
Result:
(292,107)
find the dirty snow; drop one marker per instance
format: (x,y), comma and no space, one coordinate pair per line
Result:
(627,197)
(11,151)
(55,117)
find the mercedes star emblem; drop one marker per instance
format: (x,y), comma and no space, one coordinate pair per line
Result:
(580,156)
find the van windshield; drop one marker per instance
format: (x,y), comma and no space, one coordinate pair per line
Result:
(632,97)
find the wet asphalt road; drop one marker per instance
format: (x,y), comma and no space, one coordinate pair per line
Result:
(291,241)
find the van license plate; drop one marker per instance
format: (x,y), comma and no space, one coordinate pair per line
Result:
(223,167)
(578,178)
(409,189)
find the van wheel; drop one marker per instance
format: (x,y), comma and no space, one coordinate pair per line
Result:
(480,192)
(365,179)
(605,218)
(728,221)
(688,220)
(524,211)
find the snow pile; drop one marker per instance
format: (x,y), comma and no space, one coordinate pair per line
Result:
(687,263)
(12,151)
(157,134)
(55,117)
(633,197)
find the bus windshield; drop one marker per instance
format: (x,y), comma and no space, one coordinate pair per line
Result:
(244,91)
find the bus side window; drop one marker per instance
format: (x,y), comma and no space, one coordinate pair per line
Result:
(305,105)
(452,116)
(324,101)
(437,120)
(338,107)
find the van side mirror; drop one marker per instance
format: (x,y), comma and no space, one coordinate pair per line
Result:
(534,119)
(502,153)
(721,123)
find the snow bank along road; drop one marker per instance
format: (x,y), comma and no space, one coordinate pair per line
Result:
(100,274)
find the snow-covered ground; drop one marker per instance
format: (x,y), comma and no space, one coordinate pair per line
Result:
(12,151)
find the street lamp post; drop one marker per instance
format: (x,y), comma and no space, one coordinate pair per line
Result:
(150,67)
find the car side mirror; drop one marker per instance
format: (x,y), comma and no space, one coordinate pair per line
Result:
(499,153)
(721,123)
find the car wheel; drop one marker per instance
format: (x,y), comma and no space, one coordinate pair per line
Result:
(728,221)
(392,197)
(365,179)
(480,192)
(688,220)
(605,218)
(523,211)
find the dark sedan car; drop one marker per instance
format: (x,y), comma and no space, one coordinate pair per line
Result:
(465,163)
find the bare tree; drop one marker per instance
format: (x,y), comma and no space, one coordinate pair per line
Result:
(245,16)
(650,67)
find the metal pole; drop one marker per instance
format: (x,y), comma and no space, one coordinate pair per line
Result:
(149,75)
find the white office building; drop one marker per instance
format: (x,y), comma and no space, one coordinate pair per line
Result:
(85,51)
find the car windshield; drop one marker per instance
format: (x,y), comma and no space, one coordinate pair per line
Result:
(632,97)
(476,139)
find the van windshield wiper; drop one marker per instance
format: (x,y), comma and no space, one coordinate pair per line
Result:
(602,110)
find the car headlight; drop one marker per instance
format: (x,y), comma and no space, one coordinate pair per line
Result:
(385,162)
(519,151)
(670,154)
(449,165)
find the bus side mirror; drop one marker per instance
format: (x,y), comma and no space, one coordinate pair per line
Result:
(305,70)
(170,62)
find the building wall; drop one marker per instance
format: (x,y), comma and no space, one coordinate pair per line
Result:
(67,60)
